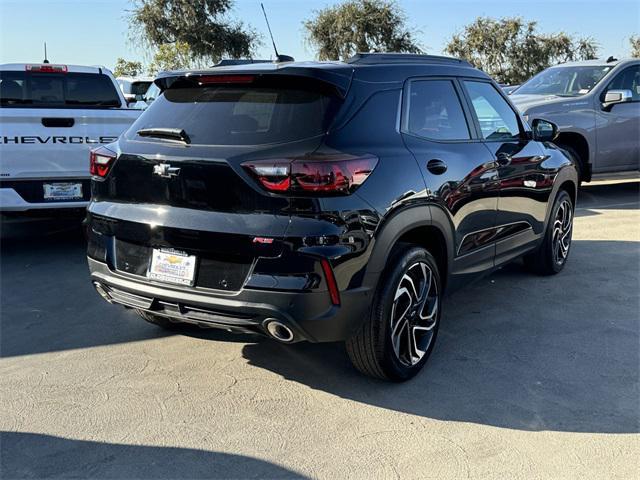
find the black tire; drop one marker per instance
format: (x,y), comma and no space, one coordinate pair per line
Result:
(158,320)
(371,349)
(544,260)
(577,161)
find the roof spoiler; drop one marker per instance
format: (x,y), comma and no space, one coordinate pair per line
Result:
(339,79)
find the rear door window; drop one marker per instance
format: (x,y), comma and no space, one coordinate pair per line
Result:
(57,90)
(269,110)
(435,111)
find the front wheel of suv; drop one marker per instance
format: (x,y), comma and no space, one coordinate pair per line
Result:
(397,338)
(551,256)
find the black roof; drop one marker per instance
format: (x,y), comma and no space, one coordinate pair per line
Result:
(391,58)
(370,67)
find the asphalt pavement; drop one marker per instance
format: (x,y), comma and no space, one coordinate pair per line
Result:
(532,377)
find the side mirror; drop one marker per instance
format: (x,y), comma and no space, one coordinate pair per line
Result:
(543,130)
(613,97)
(129,98)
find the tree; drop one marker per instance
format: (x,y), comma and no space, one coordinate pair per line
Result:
(172,56)
(202,25)
(512,51)
(635,46)
(126,68)
(340,31)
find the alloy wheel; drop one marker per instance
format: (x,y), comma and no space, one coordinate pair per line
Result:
(414,313)
(562,228)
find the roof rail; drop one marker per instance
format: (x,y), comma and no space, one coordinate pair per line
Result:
(384,58)
(237,61)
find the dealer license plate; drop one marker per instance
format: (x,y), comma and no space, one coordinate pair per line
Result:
(62,191)
(172,266)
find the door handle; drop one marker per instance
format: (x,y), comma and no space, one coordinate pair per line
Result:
(58,122)
(436,166)
(503,159)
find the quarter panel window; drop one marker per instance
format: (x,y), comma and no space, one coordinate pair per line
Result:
(497,120)
(435,111)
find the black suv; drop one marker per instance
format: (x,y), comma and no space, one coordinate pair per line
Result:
(325,201)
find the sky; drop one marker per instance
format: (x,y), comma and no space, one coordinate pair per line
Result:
(95,32)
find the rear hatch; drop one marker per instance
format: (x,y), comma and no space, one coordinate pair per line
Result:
(178,180)
(48,123)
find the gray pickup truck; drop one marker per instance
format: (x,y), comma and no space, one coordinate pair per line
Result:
(596,105)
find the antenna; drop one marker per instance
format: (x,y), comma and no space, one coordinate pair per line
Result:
(45,53)
(279,58)
(269,28)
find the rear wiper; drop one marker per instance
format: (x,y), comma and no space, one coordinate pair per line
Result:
(167,133)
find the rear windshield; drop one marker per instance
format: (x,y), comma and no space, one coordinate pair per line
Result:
(57,90)
(272,109)
(137,88)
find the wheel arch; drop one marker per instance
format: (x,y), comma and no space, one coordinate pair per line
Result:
(566,180)
(427,226)
(569,187)
(580,144)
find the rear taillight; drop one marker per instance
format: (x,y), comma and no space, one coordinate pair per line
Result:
(314,174)
(46,68)
(100,161)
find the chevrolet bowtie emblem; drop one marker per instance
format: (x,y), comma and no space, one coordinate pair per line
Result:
(165,170)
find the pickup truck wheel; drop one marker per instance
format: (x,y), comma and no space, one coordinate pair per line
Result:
(551,257)
(397,338)
(158,320)
(576,160)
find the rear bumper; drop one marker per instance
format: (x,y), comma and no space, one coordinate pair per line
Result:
(310,315)
(10,201)
(27,194)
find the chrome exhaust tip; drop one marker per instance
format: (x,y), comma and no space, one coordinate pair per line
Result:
(102,292)
(279,331)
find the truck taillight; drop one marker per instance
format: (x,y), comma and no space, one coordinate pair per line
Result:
(46,68)
(313,174)
(100,161)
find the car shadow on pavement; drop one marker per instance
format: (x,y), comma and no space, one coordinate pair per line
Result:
(47,302)
(612,196)
(30,455)
(514,350)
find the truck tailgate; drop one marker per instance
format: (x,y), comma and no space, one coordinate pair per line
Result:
(55,143)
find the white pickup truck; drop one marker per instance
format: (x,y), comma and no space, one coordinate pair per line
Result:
(50,117)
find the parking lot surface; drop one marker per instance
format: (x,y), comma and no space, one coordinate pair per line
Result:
(531,378)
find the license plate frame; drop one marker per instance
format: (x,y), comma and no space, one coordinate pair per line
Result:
(56,191)
(172,266)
